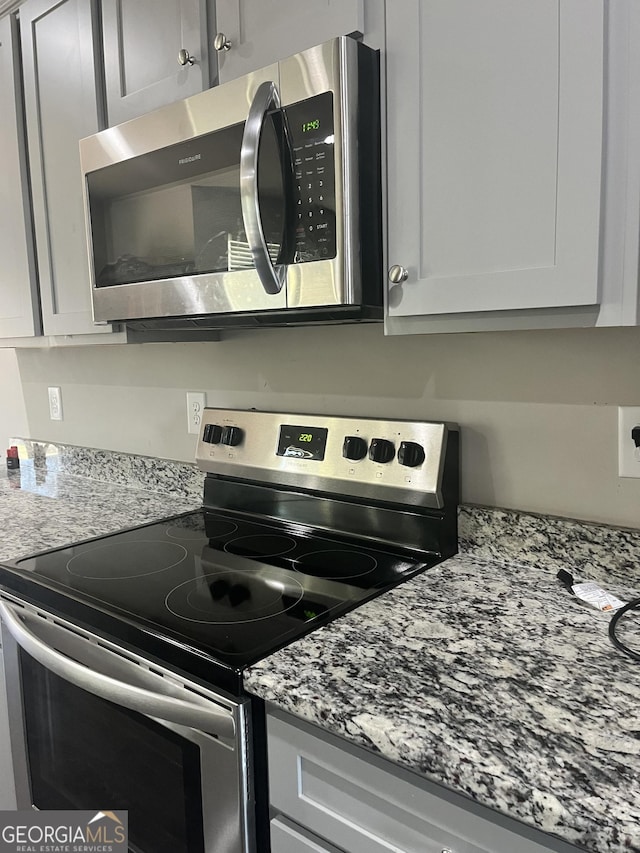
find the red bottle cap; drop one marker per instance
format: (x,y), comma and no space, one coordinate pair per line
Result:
(12,452)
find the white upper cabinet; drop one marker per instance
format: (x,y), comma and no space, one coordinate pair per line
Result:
(255,33)
(495,153)
(154,53)
(58,39)
(19,307)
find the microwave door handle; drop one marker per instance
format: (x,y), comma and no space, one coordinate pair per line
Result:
(265,99)
(146,702)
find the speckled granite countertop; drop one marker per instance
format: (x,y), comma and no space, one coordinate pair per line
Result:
(73,493)
(482,674)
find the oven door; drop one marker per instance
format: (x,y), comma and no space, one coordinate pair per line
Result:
(94,726)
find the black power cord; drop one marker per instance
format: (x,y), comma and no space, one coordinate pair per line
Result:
(634,604)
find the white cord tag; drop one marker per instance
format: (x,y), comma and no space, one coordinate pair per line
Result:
(597,597)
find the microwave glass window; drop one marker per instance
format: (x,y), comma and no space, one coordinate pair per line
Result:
(177,212)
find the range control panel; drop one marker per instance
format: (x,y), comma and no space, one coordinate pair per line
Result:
(395,461)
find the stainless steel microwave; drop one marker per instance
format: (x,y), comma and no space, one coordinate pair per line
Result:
(255,202)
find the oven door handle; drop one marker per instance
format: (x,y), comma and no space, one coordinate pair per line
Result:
(167,708)
(272,277)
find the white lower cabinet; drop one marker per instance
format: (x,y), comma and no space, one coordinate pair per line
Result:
(329,796)
(287,837)
(7,790)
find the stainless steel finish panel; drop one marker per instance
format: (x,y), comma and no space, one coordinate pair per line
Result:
(7,786)
(255,457)
(187,296)
(334,282)
(330,67)
(267,98)
(16,719)
(225,764)
(205,112)
(107,676)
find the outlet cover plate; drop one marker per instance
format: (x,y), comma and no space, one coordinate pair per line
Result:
(55,404)
(628,453)
(196,401)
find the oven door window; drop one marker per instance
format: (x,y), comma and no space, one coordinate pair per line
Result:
(176,212)
(86,753)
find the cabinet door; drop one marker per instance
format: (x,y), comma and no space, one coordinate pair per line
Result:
(19,311)
(142,39)
(263,31)
(287,837)
(495,123)
(58,40)
(330,792)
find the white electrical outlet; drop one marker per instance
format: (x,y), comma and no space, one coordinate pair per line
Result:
(55,404)
(628,453)
(196,401)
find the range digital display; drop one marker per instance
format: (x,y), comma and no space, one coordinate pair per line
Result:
(302,442)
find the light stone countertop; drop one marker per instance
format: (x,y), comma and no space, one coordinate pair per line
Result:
(75,494)
(485,675)
(482,674)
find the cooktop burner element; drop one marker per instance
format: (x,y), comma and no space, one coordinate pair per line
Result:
(295,530)
(219,598)
(189,534)
(172,578)
(219,527)
(264,545)
(122,560)
(336,564)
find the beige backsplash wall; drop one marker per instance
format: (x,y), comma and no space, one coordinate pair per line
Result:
(538,410)
(13,415)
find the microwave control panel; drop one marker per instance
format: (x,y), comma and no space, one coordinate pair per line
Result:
(310,125)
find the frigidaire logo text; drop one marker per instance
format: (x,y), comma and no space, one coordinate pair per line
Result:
(191,159)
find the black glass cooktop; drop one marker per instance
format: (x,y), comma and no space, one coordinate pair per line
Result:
(223,586)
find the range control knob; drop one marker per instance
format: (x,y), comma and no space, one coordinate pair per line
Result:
(354,447)
(381,450)
(212,434)
(410,454)
(232,435)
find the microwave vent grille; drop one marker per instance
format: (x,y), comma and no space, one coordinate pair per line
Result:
(239,254)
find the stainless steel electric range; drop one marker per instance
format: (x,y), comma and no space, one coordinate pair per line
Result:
(124,654)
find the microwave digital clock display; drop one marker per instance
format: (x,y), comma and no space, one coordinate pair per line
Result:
(302,442)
